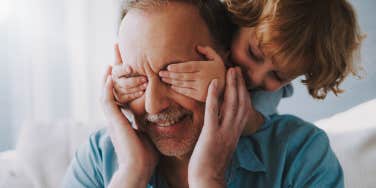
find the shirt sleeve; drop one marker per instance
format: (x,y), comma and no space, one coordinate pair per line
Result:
(84,171)
(266,102)
(314,164)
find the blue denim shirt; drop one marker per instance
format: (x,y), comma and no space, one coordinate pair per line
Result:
(285,152)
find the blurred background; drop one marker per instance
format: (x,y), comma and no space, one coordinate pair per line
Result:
(53,54)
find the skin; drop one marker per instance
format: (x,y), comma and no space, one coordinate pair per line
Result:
(260,69)
(188,153)
(146,52)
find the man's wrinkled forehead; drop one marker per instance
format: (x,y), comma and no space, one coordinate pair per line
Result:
(161,37)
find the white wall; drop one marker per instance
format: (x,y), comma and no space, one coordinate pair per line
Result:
(43,44)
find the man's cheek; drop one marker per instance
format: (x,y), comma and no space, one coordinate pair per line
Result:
(137,106)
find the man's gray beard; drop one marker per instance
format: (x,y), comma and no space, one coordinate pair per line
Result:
(172,113)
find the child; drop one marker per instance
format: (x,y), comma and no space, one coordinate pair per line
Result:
(277,41)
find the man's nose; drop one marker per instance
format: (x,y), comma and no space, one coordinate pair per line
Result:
(156,99)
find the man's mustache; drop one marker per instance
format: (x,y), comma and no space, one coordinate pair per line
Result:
(173,113)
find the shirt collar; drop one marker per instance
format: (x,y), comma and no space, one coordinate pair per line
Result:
(246,155)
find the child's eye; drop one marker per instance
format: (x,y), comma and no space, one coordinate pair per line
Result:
(252,55)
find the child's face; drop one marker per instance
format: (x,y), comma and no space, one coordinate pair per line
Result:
(260,70)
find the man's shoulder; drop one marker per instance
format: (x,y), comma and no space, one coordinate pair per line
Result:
(293,133)
(100,142)
(100,137)
(94,162)
(97,147)
(290,126)
(305,152)
(295,147)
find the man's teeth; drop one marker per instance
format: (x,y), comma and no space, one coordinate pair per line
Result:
(167,123)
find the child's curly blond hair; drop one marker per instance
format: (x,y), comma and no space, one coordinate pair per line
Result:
(324,33)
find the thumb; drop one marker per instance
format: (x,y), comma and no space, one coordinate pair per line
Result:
(209,53)
(118,60)
(211,106)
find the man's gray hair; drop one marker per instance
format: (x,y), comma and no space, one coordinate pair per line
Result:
(213,12)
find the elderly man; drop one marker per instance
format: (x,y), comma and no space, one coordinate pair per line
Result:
(180,142)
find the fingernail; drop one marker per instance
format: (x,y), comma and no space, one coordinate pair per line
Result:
(162,73)
(144,86)
(232,73)
(215,83)
(128,70)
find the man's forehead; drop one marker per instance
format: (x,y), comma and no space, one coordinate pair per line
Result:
(160,38)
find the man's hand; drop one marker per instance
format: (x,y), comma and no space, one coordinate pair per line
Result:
(219,136)
(137,157)
(192,78)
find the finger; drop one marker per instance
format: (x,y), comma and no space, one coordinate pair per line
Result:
(209,53)
(117,55)
(131,82)
(125,91)
(242,88)
(106,74)
(121,132)
(108,95)
(184,91)
(116,97)
(211,106)
(178,83)
(121,70)
(191,93)
(111,109)
(244,99)
(124,99)
(185,67)
(230,104)
(178,76)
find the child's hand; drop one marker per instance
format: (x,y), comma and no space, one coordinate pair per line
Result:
(126,86)
(192,78)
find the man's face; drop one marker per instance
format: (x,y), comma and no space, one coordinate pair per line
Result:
(149,41)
